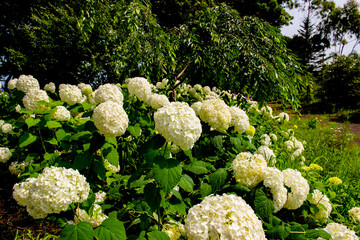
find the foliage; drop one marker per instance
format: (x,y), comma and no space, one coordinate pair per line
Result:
(157,182)
(340,81)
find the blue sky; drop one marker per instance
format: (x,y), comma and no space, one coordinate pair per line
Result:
(292,29)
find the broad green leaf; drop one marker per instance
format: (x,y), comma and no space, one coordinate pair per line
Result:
(111,229)
(52,141)
(81,231)
(198,167)
(317,233)
(62,135)
(263,205)
(81,136)
(189,154)
(186,183)
(167,173)
(217,179)
(111,154)
(86,105)
(53,124)
(156,235)
(236,142)
(32,121)
(178,206)
(82,161)
(152,196)
(217,141)
(99,169)
(26,139)
(111,140)
(205,190)
(278,232)
(134,130)
(241,188)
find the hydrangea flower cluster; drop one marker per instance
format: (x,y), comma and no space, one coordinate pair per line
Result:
(178,123)
(26,83)
(52,191)
(354,213)
(274,179)
(299,188)
(267,153)
(239,119)
(339,232)
(162,84)
(216,113)
(157,101)
(320,198)
(266,111)
(97,216)
(50,87)
(109,92)
(6,128)
(249,169)
(295,146)
(140,87)
(223,217)
(32,97)
(5,154)
(111,119)
(265,140)
(70,94)
(174,230)
(17,168)
(61,114)
(12,83)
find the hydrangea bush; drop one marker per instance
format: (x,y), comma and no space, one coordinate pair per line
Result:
(150,161)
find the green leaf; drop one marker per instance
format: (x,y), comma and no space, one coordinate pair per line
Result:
(81,231)
(152,196)
(205,190)
(278,232)
(217,141)
(53,124)
(317,233)
(135,130)
(26,139)
(189,154)
(99,169)
(241,188)
(263,205)
(81,136)
(186,183)
(32,121)
(111,229)
(156,235)
(62,135)
(52,141)
(167,173)
(198,167)
(217,179)
(82,161)
(111,140)
(86,105)
(236,142)
(111,154)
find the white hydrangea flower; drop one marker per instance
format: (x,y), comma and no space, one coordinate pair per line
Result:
(25,83)
(6,128)
(61,114)
(283,117)
(274,179)
(197,107)
(339,232)
(195,94)
(84,87)
(223,217)
(273,137)
(216,113)
(97,216)
(265,140)
(70,94)
(249,169)
(266,111)
(100,197)
(5,154)
(320,198)
(354,213)
(178,123)
(32,97)
(52,191)
(239,119)
(17,168)
(140,87)
(299,188)
(162,84)
(296,146)
(12,83)
(109,92)
(267,153)
(111,119)
(2,122)
(17,108)
(50,87)
(174,230)
(157,101)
